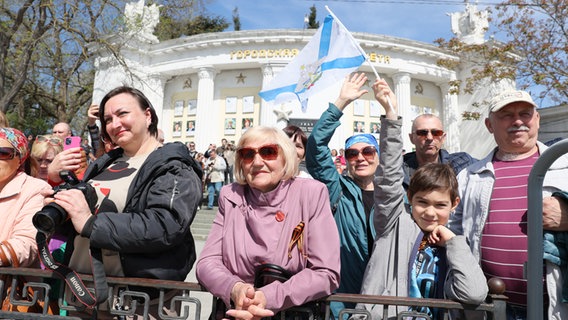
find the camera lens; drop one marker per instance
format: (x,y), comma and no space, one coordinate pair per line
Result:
(49,217)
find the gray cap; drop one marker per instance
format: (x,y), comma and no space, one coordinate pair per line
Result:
(507,97)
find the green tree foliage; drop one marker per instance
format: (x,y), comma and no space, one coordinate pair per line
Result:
(535,52)
(195,21)
(312,18)
(46,67)
(47,51)
(236,19)
(169,28)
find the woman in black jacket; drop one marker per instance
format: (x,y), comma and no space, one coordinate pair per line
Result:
(147,192)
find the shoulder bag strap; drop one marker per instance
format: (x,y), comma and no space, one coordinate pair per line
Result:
(13,255)
(3,259)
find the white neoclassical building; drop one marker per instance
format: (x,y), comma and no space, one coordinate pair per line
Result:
(205,87)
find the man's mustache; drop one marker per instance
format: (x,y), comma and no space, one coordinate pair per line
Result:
(519,128)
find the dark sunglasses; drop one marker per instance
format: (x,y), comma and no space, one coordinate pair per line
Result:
(424,132)
(7,153)
(267,152)
(367,152)
(52,141)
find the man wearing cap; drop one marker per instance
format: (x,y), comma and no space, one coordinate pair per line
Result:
(493,192)
(428,136)
(351,196)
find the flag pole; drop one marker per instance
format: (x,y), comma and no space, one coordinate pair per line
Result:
(360,49)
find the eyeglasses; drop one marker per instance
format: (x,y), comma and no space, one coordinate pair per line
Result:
(52,141)
(267,152)
(7,153)
(367,152)
(424,132)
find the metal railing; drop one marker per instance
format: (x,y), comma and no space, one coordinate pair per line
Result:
(190,307)
(534,227)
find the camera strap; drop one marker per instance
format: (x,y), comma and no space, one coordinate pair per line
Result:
(72,278)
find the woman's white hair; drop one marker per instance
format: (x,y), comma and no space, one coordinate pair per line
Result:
(270,135)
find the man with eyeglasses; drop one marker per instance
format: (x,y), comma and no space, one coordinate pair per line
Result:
(428,136)
(351,196)
(191,147)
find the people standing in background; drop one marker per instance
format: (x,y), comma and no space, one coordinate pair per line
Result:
(215,173)
(212,146)
(191,146)
(229,155)
(333,154)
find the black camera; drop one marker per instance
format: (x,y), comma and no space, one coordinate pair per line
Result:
(53,215)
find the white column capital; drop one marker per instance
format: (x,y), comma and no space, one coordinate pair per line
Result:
(401,78)
(207,73)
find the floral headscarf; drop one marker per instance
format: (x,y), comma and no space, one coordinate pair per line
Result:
(18,140)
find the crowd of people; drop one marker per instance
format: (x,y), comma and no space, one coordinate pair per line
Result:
(296,220)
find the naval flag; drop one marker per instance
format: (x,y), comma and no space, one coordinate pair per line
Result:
(330,55)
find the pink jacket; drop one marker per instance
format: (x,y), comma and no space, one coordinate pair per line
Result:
(249,230)
(19,201)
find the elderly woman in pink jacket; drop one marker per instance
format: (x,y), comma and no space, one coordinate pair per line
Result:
(269,216)
(20,199)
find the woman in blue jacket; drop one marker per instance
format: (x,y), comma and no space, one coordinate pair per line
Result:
(351,196)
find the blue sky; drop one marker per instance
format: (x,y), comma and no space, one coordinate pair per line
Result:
(421,20)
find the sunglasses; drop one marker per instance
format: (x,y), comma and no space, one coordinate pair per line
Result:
(367,152)
(7,153)
(52,141)
(424,132)
(267,152)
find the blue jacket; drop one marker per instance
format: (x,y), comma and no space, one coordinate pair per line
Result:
(346,202)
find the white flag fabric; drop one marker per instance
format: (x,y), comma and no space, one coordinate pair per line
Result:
(331,54)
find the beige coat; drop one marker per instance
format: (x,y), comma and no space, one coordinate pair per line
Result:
(19,201)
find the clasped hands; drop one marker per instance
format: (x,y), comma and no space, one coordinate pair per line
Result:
(249,303)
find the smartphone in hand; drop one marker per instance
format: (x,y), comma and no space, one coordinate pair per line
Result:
(71,142)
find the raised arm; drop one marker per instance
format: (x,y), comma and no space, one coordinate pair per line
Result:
(389,193)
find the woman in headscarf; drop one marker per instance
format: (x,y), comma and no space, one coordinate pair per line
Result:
(20,199)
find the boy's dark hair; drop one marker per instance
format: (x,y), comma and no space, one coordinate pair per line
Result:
(434,176)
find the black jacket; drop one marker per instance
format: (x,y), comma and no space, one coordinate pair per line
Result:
(153,233)
(458,161)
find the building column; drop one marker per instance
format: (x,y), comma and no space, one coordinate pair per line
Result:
(451,118)
(402,92)
(153,87)
(208,115)
(267,116)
